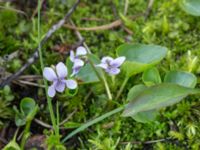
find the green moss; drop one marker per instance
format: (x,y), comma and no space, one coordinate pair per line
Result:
(167,25)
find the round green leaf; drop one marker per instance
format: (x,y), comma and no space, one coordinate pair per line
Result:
(151,76)
(6,90)
(156,97)
(87,73)
(182,78)
(140,57)
(191,7)
(27,105)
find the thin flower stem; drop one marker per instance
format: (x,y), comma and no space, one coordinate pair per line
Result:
(122,87)
(102,79)
(107,88)
(57,117)
(15,135)
(25,134)
(53,120)
(113,80)
(90,123)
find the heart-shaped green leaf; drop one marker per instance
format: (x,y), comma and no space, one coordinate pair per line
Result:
(140,57)
(191,7)
(156,97)
(87,73)
(151,76)
(182,78)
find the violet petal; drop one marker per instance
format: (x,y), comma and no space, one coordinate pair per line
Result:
(60,86)
(78,63)
(51,91)
(72,56)
(49,74)
(106,59)
(61,70)
(81,51)
(75,70)
(71,84)
(102,65)
(118,61)
(113,71)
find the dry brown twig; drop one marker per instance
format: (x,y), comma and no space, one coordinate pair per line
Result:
(68,117)
(93,19)
(78,34)
(49,126)
(30,83)
(111,25)
(43,123)
(148,10)
(30,77)
(114,8)
(146,142)
(28,80)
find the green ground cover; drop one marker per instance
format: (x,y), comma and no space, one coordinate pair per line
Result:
(176,127)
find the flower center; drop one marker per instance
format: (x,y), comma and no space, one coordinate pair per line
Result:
(76,57)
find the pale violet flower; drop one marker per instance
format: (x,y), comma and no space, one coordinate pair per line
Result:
(76,59)
(110,65)
(58,77)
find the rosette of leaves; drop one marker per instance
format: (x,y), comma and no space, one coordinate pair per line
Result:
(27,111)
(146,99)
(24,115)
